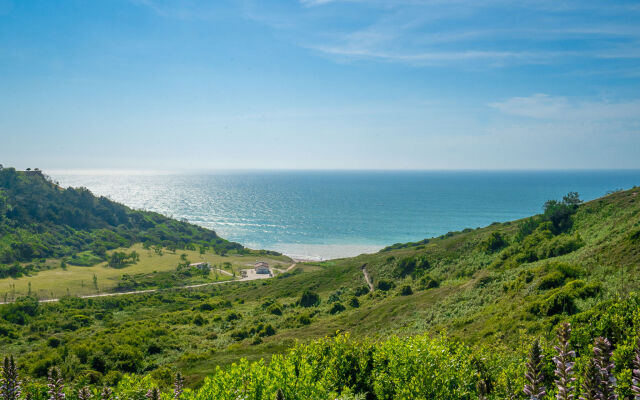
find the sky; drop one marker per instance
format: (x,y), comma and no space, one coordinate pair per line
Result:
(319,84)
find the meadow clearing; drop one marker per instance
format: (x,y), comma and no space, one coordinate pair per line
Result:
(79,280)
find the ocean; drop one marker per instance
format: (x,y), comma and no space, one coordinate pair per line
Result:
(331,214)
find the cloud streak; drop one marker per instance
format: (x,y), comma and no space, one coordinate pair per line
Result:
(544,107)
(494,33)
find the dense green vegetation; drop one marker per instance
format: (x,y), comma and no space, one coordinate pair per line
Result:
(40,220)
(455,314)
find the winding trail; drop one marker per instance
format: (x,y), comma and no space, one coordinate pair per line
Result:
(91,296)
(367,277)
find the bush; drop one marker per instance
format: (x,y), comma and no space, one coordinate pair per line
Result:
(354,302)
(406,290)
(309,299)
(411,266)
(233,316)
(274,309)
(239,334)
(337,308)
(427,282)
(199,320)
(385,285)
(304,319)
(560,245)
(126,358)
(494,243)
(361,291)
(551,280)
(267,330)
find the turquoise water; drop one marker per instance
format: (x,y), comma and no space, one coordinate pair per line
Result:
(337,214)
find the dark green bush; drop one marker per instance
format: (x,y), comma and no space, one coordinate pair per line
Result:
(427,282)
(309,299)
(267,330)
(337,308)
(361,291)
(406,290)
(274,309)
(494,243)
(304,319)
(385,285)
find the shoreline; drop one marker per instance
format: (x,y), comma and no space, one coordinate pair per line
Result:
(322,252)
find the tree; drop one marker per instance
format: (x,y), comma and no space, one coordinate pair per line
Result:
(559,212)
(572,199)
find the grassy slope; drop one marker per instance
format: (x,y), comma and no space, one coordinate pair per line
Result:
(471,302)
(78,280)
(478,302)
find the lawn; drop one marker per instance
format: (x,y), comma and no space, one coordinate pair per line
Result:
(79,280)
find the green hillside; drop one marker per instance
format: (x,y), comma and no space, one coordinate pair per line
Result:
(40,220)
(471,301)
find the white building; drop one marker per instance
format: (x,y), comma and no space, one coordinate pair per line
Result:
(261,267)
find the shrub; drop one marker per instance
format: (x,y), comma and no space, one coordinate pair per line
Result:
(267,330)
(126,358)
(494,243)
(411,266)
(551,280)
(385,285)
(337,308)
(309,299)
(354,302)
(274,309)
(361,291)
(239,334)
(304,319)
(406,290)
(154,348)
(199,320)
(232,316)
(560,245)
(427,282)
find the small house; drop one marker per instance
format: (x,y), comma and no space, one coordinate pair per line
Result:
(261,267)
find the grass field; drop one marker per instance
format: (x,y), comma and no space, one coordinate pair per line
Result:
(79,280)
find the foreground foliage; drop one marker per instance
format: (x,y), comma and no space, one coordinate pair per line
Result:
(417,367)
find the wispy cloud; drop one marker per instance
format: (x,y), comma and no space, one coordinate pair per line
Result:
(543,106)
(183,10)
(442,32)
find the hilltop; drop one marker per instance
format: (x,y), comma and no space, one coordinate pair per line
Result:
(40,220)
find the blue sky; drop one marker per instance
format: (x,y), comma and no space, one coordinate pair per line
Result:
(345,84)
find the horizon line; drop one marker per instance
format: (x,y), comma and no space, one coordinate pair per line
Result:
(126,171)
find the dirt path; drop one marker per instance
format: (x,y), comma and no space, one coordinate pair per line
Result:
(367,277)
(223,271)
(90,296)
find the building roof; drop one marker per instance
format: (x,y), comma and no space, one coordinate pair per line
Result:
(261,264)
